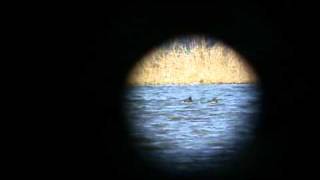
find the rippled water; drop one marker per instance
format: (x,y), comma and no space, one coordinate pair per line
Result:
(188,137)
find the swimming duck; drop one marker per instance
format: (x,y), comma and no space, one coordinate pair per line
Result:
(213,101)
(188,100)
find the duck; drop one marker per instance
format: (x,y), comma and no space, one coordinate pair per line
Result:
(213,101)
(188,100)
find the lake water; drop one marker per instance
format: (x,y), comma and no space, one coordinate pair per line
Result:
(184,137)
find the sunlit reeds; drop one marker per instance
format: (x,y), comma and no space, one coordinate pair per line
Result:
(200,63)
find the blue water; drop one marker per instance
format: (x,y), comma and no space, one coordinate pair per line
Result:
(189,137)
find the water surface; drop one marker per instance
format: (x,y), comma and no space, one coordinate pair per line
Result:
(189,137)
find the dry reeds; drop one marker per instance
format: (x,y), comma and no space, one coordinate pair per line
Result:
(180,64)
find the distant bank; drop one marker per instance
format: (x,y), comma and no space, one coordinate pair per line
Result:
(200,64)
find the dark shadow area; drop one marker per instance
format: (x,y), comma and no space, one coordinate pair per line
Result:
(111,41)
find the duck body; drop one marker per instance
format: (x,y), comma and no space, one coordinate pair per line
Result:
(188,100)
(213,101)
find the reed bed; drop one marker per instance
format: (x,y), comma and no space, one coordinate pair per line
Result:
(196,62)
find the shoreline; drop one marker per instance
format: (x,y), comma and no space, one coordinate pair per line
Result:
(186,84)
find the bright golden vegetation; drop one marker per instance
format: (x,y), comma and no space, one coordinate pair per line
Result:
(201,63)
